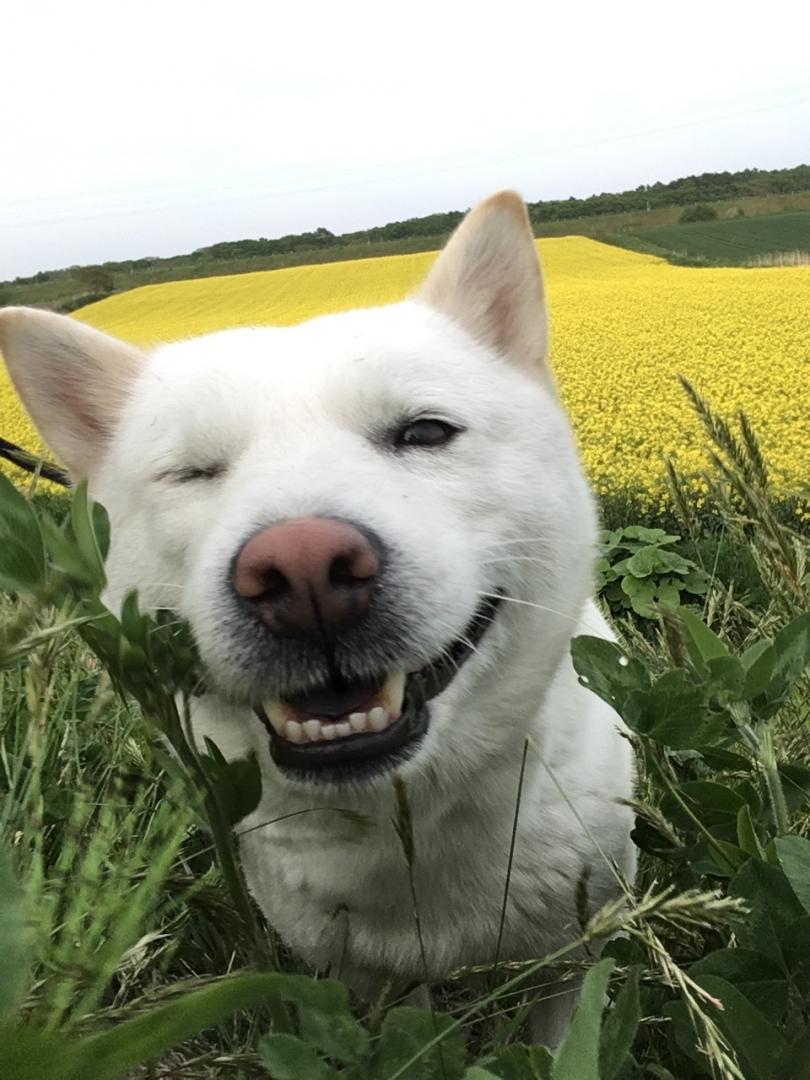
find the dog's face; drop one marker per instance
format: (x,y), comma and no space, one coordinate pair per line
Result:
(374,522)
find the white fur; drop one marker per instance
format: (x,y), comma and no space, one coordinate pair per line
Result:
(296,415)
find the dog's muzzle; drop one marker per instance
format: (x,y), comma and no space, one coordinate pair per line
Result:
(350,730)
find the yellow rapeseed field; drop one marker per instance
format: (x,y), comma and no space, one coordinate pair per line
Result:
(622,324)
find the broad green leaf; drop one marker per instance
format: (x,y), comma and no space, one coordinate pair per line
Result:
(602,573)
(22,552)
(719,858)
(65,555)
(794,858)
(709,800)
(641,595)
(29,1054)
(134,664)
(649,839)
(619,1028)
(681,1032)
(670,562)
(798,955)
(792,655)
(14,945)
(542,1062)
(608,538)
(603,668)
(774,909)
(758,669)
(760,1046)
(324,1017)
(795,784)
(752,654)
(407,1047)
(756,976)
(19,568)
(674,714)
(644,562)
(110,1054)
(654,560)
(750,794)
(726,677)
(648,536)
(668,596)
(289,1058)
(238,783)
(627,952)
(695,582)
(133,624)
(746,833)
(578,1057)
(701,642)
(508,1063)
(613,593)
(798,1059)
(82,522)
(101,527)
(725,760)
(475,1072)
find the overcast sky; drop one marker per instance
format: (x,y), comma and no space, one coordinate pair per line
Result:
(151,128)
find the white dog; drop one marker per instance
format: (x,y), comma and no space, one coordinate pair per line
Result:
(377,526)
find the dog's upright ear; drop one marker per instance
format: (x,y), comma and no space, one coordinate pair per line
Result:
(488,280)
(72,380)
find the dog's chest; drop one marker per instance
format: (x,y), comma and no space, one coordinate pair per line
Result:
(344,897)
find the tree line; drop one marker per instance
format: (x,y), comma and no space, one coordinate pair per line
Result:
(686,191)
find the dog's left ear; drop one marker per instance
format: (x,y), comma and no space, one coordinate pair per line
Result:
(72,380)
(488,279)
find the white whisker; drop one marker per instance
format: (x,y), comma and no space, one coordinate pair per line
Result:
(521,540)
(515,558)
(576,619)
(466,641)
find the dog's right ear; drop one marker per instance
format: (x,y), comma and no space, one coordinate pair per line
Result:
(488,280)
(72,380)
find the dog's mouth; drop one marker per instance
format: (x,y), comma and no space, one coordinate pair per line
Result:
(332,732)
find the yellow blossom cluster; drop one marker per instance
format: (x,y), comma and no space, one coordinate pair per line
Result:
(623,326)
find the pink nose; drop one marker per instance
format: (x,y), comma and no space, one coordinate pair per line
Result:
(308,576)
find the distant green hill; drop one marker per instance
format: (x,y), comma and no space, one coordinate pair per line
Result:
(626,218)
(739,241)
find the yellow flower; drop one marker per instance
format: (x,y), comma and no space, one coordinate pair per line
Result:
(623,326)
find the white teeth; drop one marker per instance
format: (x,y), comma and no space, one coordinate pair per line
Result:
(358,721)
(275,714)
(394,692)
(312,729)
(315,730)
(378,718)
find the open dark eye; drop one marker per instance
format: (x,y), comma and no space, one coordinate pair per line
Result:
(426,432)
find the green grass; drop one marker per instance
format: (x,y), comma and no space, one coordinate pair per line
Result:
(605,226)
(732,242)
(127,949)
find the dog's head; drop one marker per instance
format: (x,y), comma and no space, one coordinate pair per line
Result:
(375,522)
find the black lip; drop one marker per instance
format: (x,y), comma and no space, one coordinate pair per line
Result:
(356,756)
